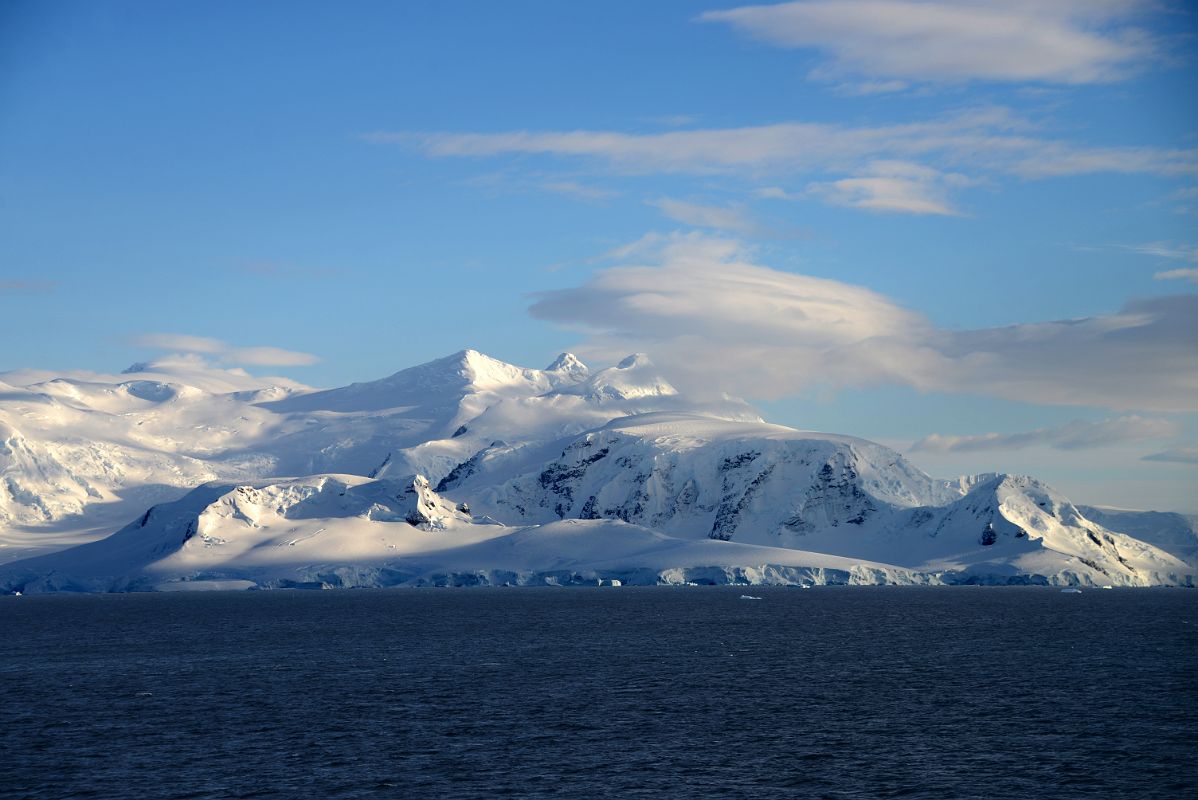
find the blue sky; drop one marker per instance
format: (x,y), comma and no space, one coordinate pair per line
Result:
(871,218)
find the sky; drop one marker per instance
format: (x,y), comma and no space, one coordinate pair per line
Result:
(967,230)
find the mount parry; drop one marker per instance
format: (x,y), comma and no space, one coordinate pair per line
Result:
(470,471)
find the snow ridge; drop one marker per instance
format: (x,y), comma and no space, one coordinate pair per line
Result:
(468,470)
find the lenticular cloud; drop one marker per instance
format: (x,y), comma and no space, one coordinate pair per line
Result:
(717,322)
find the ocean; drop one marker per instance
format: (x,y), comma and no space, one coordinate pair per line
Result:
(963,692)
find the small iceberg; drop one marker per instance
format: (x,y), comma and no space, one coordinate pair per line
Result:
(1071,591)
(749,597)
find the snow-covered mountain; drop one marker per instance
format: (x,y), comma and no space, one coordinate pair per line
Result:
(470,470)
(80,455)
(1174,533)
(691,476)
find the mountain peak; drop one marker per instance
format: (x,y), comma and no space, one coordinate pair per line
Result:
(468,358)
(634,377)
(438,385)
(635,360)
(568,365)
(481,371)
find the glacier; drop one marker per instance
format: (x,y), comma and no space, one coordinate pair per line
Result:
(470,471)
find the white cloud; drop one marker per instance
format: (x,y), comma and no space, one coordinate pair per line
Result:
(1062,41)
(893,186)
(722,323)
(180,342)
(719,218)
(719,322)
(1167,250)
(190,347)
(1190,275)
(776,193)
(883,194)
(1076,435)
(789,145)
(576,189)
(981,140)
(865,88)
(268,357)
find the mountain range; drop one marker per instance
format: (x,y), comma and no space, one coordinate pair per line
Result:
(471,471)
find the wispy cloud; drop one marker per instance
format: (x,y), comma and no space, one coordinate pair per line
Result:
(16,286)
(889,42)
(1166,250)
(694,300)
(776,193)
(581,190)
(1186,454)
(883,194)
(1076,435)
(894,186)
(990,137)
(859,88)
(263,356)
(1189,274)
(913,168)
(1169,251)
(884,186)
(720,218)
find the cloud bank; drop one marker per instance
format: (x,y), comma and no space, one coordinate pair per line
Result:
(987,138)
(261,356)
(892,42)
(718,322)
(911,168)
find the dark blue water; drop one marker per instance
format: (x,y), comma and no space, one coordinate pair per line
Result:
(953,693)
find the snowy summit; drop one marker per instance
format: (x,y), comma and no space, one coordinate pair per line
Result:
(468,470)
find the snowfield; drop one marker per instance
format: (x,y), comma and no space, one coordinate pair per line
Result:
(470,471)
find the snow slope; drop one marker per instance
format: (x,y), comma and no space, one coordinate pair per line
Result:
(349,531)
(768,485)
(1174,533)
(608,473)
(343,530)
(77,457)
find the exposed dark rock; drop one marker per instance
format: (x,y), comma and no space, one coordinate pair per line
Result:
(588,509)
(728,515)
(460,473)
(735,462)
